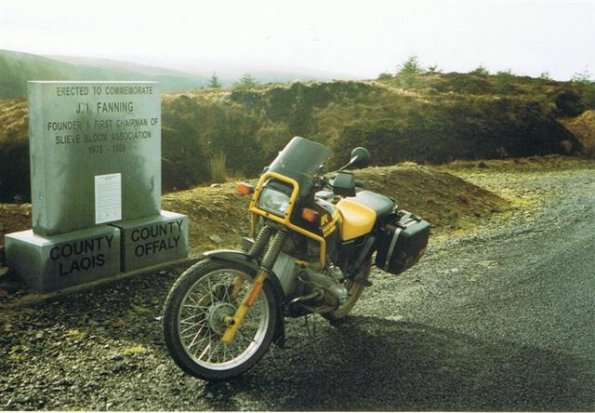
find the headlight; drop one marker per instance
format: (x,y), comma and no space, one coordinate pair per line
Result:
(273,201)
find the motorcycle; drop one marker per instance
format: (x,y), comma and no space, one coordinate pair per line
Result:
(314,239)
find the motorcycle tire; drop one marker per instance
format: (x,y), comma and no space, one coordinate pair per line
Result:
(193,320)
(354,291)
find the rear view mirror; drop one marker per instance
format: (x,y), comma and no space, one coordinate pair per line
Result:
(360,157)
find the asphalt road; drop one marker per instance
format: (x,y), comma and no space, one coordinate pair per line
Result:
(503,320)
(513,312)
(499,320)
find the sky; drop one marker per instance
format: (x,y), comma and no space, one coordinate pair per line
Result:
(354,38)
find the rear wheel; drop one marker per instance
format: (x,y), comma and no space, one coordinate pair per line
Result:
(194,315)
(355,288)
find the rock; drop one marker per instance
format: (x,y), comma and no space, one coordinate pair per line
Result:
(488,264)
(203,208)
(216,239)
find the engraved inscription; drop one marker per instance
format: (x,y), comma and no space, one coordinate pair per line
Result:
(102,122)
(156,238)
(79,256)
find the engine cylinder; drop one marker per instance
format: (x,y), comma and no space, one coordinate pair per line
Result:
(329,285)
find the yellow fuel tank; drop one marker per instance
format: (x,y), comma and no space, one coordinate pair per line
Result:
(358,219)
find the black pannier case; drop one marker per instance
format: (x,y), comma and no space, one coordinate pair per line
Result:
(402,242)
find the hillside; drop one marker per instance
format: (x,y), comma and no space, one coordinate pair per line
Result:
(17,68)
(208,134)
(395,123)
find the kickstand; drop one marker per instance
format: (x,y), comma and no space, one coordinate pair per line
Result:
(312,331)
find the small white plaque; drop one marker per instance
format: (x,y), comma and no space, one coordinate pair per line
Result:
(108,198)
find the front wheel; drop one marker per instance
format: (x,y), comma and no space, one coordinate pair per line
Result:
(194,315)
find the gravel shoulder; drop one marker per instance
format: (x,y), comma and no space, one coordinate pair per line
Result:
(496,317)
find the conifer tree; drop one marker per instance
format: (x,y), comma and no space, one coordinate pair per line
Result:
(246,82)
(409,72)
(214,82)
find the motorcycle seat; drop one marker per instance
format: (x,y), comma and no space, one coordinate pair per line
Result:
(380,204)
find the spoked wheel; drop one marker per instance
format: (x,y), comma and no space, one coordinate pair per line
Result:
(194,320)
(354,290)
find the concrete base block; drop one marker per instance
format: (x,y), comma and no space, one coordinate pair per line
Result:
(154,240)
(48,263)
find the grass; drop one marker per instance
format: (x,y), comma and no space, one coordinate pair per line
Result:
(76,335)
(217,167)
(134,350)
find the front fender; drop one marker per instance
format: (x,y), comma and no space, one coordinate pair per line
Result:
(243,258)
(231,255)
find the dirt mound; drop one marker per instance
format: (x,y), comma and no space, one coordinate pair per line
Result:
(14,217)
(583,127)
(219,216)
(439,197)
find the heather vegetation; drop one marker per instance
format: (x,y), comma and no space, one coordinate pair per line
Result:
(416,114)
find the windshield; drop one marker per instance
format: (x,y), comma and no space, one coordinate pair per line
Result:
(300,160)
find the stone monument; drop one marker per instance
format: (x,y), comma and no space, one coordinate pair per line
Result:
(95,151)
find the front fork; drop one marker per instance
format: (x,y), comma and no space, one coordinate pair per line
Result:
(266,265)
